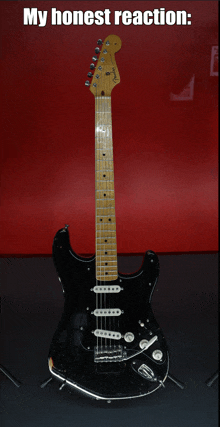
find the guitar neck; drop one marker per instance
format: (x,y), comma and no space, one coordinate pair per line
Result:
(106,246)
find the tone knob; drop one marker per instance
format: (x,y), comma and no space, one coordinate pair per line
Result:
(97,50)
(143,344)
(157,354)
(87,83)
(92,66)
(129,337)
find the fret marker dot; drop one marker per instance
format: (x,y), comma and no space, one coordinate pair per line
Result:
(106,240)
(106,263)
(104,195)
(106,273)
(103,154)
(104,176)
(109,219)
(100,219)
(106,253)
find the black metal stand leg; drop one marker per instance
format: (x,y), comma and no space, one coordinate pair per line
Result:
(212,379)
(176,381)
(45,382)
(11,378)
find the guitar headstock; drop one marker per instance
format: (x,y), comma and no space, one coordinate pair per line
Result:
(106,75)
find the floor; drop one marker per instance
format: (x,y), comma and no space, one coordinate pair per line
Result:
(185,306)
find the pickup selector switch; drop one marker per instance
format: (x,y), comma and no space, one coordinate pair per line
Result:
(129,337)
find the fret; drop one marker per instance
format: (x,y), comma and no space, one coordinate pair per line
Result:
(110,218)
(105,233)
(106,207)
(104,180)
(103,224)
(108,149)
(99,172)
(104,199)
(106,162)
(103,278)
(103,97)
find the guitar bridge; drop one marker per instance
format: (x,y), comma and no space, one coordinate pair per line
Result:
(109,354)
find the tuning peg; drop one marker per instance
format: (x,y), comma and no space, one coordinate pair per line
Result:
(92,66)
(89,74)
(94,58)
(97,50)
(87,83)
(99,41)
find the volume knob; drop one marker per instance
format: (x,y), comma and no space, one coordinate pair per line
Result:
(157,354)
(129,337)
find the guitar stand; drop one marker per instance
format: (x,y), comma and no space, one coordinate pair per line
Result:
(176,381)
(45,382)
(11,378)
(212,379)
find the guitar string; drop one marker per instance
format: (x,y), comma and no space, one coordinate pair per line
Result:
(99,296)
(102,105)
(96,142)
(106,148)
(101,143)
(109,175)
(102,231)
(104,168)
(108,180)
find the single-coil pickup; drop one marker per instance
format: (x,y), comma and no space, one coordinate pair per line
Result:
(107,334)
(107,289)
(107,312)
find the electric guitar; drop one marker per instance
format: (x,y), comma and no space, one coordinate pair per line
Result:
(108,344)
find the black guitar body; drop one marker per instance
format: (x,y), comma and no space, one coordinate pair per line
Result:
(102,370)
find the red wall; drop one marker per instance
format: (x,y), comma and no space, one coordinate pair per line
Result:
(165,152)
